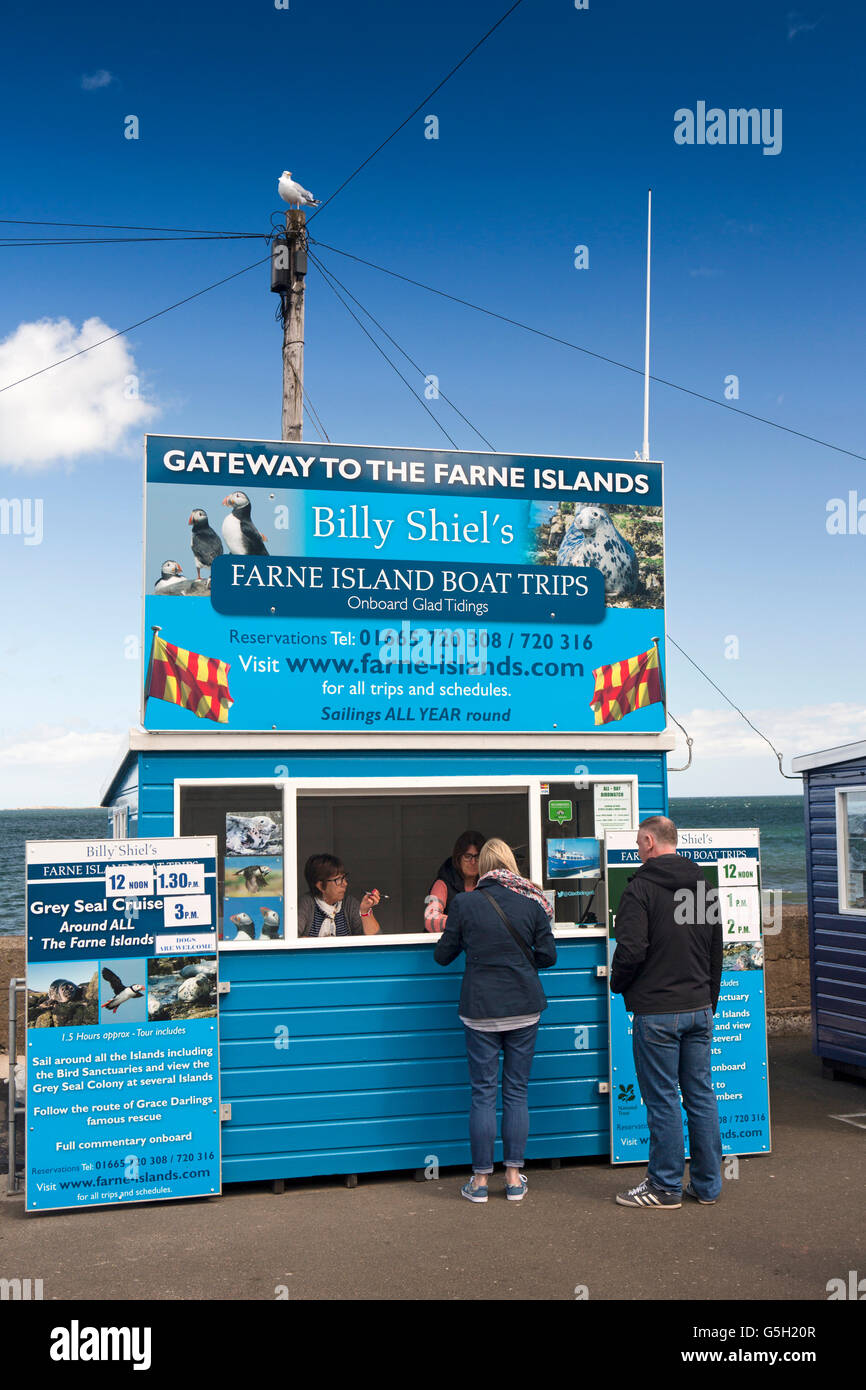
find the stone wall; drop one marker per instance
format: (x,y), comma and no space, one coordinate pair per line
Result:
(786,960)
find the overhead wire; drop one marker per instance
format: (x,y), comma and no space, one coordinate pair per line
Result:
(121,331)
(325,276)
(793,776)
(102,226)
(320,265)
(8,243)
(601,357)
(332,282)
(423,102)
(118,227)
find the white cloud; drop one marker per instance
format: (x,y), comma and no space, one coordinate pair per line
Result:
(58,747)
(84,406)
(51,765)
(807,729)
(797,24)
(96,80)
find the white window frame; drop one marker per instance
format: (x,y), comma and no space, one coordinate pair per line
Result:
(395,786)
(842,851)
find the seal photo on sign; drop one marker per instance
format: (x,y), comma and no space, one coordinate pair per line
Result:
(63,1002)
(592,541)
(254,834)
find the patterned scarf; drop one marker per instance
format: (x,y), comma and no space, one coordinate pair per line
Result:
(518,885)
(330,910)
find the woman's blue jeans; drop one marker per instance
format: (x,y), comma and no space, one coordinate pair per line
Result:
(671,1050)
(482,1051)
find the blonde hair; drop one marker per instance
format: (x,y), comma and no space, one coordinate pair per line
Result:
(496,854)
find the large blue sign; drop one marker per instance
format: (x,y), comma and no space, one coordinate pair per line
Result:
(309,587)
(730,860)
(122,1024)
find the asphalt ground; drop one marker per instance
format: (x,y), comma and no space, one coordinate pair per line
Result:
(789,1223)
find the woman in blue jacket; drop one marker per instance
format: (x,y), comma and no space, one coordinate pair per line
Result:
(504,928)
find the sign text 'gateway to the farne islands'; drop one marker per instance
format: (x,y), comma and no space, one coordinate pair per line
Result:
(336,587)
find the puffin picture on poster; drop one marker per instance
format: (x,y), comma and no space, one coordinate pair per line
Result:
(252,919)
(123,990)
(254,876)
(201,524)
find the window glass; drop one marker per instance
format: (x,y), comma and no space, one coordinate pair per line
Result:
(854,849)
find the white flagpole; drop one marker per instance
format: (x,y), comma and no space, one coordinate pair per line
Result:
(646,378)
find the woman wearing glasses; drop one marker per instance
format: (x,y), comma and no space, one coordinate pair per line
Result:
(459,874)
(329,909)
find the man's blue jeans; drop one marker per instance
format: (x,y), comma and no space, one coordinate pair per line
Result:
(482,1051)
(671,1049)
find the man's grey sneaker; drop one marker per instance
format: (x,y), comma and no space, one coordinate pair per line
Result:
(644,1195)
(473,1193)
(516,1194)
(704,1201)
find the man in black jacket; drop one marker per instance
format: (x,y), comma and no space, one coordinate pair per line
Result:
(668,967)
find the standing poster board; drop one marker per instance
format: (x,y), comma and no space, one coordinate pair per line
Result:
(122,1023)
(730,860)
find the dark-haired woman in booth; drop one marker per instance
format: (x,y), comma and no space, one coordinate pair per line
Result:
(329,909)
(459,874)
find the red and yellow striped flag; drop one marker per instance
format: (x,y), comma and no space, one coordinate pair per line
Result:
(198,683)
(627,685)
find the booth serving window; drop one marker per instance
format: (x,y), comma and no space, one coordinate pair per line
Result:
(851,845)
(393,837)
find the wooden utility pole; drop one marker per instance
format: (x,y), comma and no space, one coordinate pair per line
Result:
(293,326)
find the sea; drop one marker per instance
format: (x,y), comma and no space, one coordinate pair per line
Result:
(779,819)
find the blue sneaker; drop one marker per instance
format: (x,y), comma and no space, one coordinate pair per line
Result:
(704,1201)
(473,1193)
(645,1195)
(517,1194)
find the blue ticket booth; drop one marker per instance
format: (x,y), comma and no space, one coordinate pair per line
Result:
(834,785)
(346,1055)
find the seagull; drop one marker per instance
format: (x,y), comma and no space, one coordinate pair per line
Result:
(292,192)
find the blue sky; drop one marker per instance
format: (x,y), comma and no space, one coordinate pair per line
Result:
(548,138)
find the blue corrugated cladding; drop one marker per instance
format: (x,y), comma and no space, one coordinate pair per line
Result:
(351,1060)
(837,941)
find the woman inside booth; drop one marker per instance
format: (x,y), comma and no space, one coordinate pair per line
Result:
(459,874)
(504,928)
(329,909)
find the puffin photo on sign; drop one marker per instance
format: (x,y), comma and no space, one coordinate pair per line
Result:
(201,525)
(123,990)
(251,878)
(244,920)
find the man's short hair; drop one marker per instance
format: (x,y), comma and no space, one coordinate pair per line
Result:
(661,827)
(319,868)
